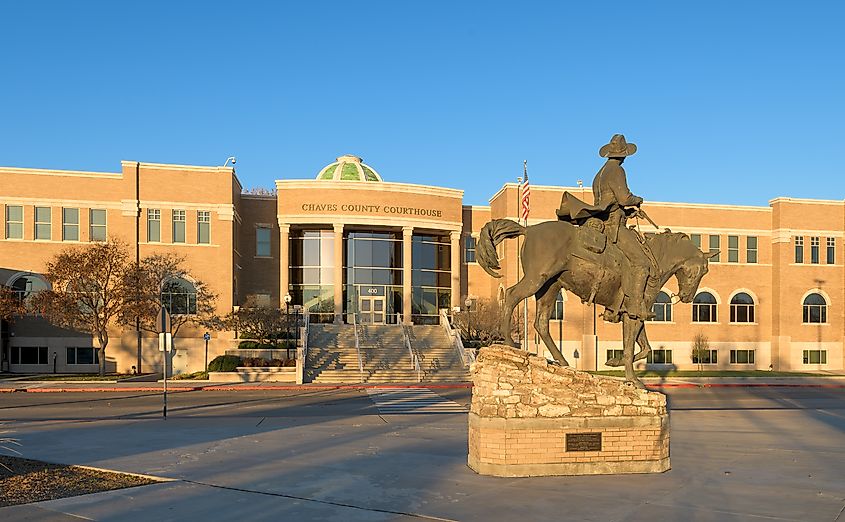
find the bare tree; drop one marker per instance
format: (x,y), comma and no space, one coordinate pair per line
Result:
(481,322)
(89,290)
(11,305)
(163,280)
(257,321)
(700,349)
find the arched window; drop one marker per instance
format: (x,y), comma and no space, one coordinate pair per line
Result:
(662,307)
(742,308)
(26,286)
(704,308)
(815,309)
(557,313)
(179,296)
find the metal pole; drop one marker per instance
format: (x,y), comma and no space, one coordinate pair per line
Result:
(518,254)
(596,337)
(206,355)
(164,374)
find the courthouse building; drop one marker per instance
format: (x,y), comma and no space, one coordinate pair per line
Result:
(344,243)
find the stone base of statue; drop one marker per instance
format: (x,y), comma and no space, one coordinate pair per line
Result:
(531,417)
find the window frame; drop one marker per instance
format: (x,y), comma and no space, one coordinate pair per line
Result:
(666,355)
(831,251)
(815,243)
(751,252)
(806,356)
(9,222)
(749,310)
(203,218)
(733,249)
(48,224)
(798,241)
(470,243)
(715,248)
(269,242)
(16,357)
(73,361)
(713,312)
(712,357)
(750,355)
(98,231)
(667,309)
(154,216)
(807,309)
(178,221)
(69,226)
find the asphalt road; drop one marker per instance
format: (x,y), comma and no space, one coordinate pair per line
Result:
(340,403)
(773,454)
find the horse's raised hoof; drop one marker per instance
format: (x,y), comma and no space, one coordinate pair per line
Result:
(616,361)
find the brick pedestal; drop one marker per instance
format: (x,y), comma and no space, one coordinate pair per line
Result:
(530,417)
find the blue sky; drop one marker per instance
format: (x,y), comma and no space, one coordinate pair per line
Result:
(729,102)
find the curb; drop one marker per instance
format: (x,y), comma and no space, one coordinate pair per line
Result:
(293,387)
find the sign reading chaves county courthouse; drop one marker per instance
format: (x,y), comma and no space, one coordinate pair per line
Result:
(371,209)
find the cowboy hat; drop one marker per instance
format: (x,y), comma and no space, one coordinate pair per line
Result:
(617,148)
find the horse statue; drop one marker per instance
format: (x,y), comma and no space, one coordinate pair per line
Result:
(560,254)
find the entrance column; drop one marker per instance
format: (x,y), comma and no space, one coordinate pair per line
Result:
(284,262)
(407,246)
(338,273)
(456,268)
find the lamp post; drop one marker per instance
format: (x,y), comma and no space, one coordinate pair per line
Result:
(206,337)
(287,318)
(468,303)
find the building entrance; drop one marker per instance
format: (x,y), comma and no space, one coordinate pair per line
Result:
(371,309)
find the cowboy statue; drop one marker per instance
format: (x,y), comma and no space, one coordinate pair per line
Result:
(613,205)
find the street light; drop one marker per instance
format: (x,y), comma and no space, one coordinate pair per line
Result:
(287,318)
(468,303)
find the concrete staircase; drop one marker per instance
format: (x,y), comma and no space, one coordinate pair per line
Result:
(439,359)
(332,357)
(331,354)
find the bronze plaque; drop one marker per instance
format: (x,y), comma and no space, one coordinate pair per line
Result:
(583,442)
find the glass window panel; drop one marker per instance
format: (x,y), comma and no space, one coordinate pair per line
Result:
(831,251)
(178,226)
(153,225)
(70,224)
(733,249)
(714,248)
(14,222)
(203,227)
(43,228)
(751,251)
(696,240)
(97,227)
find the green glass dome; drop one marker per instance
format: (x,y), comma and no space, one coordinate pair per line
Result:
(349,168)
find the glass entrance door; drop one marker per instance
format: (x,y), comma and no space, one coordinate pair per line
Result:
(371,309)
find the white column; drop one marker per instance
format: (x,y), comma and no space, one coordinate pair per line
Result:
(338,273)
(284,262)
(407,236)
(456,268)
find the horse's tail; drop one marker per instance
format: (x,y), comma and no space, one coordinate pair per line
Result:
(493,233)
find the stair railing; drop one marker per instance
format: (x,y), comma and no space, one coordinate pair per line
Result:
(467,356)
(415,360)
(302,351)
(357,346)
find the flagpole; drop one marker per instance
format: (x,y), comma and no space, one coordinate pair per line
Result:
(518,251)
(525,301)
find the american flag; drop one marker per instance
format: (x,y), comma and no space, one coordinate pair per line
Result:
(526,191)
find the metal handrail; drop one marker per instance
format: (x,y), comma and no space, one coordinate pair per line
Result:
(467,356)
(357,347)
(415,360)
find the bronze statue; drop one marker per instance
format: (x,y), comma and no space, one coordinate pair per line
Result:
(590,252)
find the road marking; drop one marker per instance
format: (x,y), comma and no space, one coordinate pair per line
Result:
(412,400)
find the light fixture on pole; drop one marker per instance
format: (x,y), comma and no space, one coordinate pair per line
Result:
(468,303)
(288,299)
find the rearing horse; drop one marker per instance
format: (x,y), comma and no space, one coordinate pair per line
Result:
(549,264)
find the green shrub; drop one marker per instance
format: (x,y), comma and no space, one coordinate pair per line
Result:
(224,363)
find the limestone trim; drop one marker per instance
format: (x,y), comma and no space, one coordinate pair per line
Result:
(785,235)
(746,291)
(67,203)
(386,221)
(384,186)
(783,199)
(819,291)
(714,293)
(173,166)
(56,172)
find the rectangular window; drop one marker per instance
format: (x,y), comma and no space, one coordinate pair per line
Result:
(557,313)
(751,249)
(742,356)
(469,249)
(43,223)
(82,355)
(70,224)
(97,227)
(714,249)
(204,227)
(696,240)
(815,356)
(262,242)
(29,355)
(799,249)
(659,356)
(614,354)
(733,249)
(178,226)
(705,356)
(153,225)
(814,250)
(14,222)
(831,251)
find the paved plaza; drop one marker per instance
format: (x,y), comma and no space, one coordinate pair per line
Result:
(737,454)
